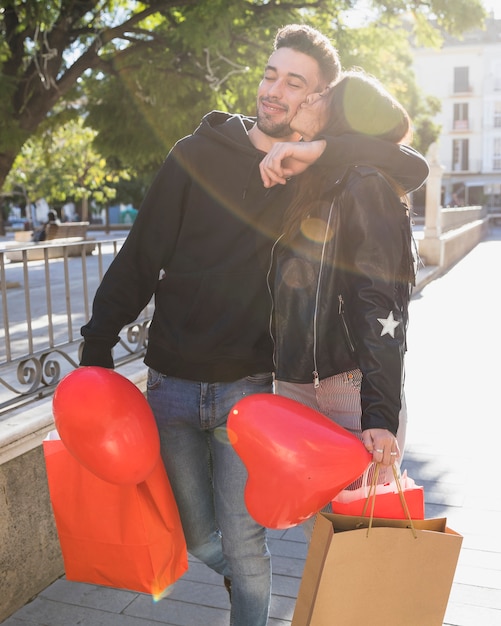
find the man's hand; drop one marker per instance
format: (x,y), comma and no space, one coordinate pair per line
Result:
(286,159)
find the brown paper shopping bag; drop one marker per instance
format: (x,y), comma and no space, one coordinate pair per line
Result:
(388,575)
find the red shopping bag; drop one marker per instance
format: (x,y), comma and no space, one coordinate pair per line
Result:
(123,536)
(385,498)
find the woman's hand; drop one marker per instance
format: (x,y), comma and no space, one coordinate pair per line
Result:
(289,158)
(382,444)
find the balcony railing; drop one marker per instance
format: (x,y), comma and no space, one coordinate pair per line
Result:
(460,90)
(461,125)
(44,303)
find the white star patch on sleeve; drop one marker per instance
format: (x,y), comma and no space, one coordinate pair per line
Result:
(389,324)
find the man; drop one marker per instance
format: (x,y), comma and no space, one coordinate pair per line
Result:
(201,243)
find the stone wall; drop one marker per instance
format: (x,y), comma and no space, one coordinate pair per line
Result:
(446,247)
(30,557)
(449,233)
(455,217)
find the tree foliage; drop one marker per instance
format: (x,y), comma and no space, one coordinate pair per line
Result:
(142,74)
(61,164)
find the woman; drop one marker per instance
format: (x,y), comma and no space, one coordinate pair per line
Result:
(343,270)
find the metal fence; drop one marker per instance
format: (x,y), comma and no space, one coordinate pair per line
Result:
(46,296)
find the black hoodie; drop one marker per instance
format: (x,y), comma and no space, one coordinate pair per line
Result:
(201,244)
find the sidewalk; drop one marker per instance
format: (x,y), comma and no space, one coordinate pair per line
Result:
(452,388)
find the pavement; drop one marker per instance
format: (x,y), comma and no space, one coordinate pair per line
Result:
(453,383)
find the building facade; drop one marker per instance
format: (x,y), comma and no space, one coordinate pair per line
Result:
(465,74)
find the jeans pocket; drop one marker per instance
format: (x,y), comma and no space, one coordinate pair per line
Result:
(263,378)
(154,379)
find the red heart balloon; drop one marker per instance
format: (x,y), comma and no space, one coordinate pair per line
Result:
(296,458)
(107,425)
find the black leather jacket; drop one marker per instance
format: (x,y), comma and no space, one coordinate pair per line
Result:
(340,290)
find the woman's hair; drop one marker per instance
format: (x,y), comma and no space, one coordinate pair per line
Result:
(358,104)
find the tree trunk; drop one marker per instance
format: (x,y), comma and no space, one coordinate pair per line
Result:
(85,209)
(6,162)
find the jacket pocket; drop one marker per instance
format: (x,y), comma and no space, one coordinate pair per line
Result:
(346,330)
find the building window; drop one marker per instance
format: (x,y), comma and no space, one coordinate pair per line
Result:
(497,114)
(461,82)
(497,77)
(460,155)
(496,161)
(461,116)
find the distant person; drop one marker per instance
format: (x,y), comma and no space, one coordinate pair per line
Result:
(40,234)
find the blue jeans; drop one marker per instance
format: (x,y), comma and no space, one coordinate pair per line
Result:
(208,480)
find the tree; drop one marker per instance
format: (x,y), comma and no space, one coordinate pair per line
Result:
(384,52)
(61,165)
(143,73)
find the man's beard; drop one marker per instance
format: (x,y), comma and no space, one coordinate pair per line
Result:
(277,131)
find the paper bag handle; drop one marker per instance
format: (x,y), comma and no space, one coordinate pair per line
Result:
(372,491)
